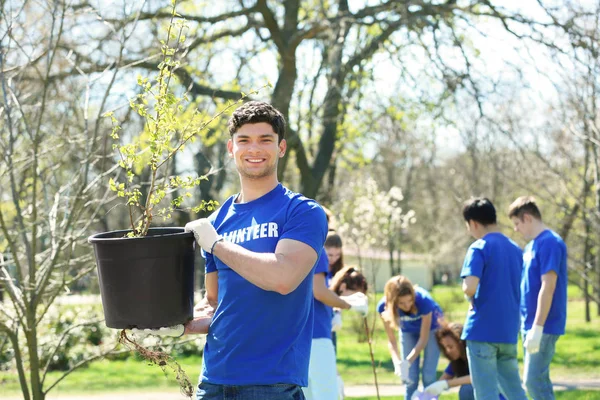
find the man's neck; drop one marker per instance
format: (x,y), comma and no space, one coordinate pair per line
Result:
(253,189)
(488,229)
(537,228)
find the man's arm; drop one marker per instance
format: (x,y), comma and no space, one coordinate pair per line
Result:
(469,285)
(280,272)
(326,296)
(545,297)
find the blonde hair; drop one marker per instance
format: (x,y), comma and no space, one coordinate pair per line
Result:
(396,287)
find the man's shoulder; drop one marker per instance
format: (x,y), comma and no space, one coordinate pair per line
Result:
(299,202)
(550,238)
(221,209)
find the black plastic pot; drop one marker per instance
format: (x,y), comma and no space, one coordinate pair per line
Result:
(146,282)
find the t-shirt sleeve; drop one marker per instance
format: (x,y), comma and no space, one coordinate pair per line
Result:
(449,370)
(424,303)
(381,305)
(473,264)
(551,256)
(323,263)
(307,224)
(209,265)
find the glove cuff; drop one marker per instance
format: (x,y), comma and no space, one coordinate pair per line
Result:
(219,239)
(537,329)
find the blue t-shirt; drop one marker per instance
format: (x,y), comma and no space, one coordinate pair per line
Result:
(547,252)
(494,317)
(323,313)
(260,337)
(425,305)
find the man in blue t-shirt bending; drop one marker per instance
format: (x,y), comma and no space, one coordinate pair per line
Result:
(491,275)
(260,247)
(543,294)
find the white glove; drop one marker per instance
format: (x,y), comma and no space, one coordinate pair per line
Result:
(204,232)
(436,388)
(401,370)
(175,331)
(336,321)
(533,339)
(359,302)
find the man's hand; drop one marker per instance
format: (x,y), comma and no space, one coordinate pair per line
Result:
(436,388)
(359,302)
(174,331)
(401,369)
(204,232)
(203,309)
(533,339)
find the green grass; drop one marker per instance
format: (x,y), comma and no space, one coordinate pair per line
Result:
(577,357)
(573,395)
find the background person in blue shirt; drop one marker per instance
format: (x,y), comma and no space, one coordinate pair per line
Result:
(322,370)
(261,247)
(491,275)
(543,294)
(412,310)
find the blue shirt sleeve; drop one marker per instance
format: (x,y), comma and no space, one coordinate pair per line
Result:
(209,265)
(307,224)
(381,305)
(551,255)
(323,263)
(423,302)
(474,262)
(449,370)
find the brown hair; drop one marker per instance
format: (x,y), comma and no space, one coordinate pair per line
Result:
(453,331)
(524,205)
(334,240)
(396,287)
(254,112)
(353,279)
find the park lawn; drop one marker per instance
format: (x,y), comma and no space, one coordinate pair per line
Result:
(577,357)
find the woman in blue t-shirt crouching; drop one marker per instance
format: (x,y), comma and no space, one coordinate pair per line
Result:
(412,310)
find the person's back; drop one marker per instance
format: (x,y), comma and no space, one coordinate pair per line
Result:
(491,276)
(494,315)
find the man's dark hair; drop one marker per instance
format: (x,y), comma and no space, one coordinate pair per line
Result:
(524,205)
(254,112)
(479,209)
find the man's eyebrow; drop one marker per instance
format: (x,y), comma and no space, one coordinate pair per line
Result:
(264,135)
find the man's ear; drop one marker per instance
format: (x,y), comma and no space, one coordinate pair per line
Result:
(230,147)
(282,148)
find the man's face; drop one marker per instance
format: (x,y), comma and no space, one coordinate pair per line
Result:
(523,226)
(255,150)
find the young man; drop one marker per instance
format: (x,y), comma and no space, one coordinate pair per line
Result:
(543,294)
(260,247)
(491,275)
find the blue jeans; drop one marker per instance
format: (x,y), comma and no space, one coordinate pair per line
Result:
(279,391)
(431,356)
(492,365)
(466,392)
(536,372)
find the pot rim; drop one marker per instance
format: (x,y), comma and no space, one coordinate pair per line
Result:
(170,231)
